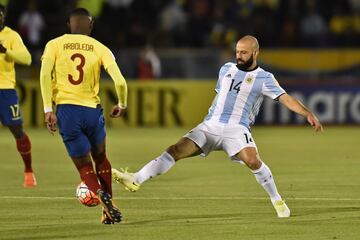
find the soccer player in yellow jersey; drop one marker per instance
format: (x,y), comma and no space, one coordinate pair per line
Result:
(12,50)
(69,77)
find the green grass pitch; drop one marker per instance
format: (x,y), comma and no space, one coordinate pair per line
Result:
(200,198)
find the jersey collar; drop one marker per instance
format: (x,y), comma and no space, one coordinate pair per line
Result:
(250,70)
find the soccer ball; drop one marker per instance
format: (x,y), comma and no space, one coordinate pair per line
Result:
(86,196)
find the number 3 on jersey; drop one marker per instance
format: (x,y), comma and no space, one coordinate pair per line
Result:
(79,67)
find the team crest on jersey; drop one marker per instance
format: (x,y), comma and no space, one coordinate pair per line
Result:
(249,80)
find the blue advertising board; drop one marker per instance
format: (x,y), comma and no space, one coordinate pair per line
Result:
(331,104)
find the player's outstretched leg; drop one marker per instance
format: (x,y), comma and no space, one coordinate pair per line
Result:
(132,182)
(264,177)
(109,207)
(126,178)
(281,209)
(184,148)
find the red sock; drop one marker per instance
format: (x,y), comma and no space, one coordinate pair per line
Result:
(88,176)
(103,169)
(23,145)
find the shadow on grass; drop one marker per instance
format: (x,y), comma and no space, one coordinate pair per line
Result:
(197,219)
(325,211)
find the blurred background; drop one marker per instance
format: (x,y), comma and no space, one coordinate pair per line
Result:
(170,52)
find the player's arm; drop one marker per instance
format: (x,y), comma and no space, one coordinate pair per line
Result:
(109,63)
(296,106)
(45,83)
(120,88)
(47,66)
(19,53)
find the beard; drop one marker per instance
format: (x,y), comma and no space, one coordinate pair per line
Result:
(245,66)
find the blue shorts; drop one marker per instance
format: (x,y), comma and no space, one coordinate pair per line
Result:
(10,112)
(81,128)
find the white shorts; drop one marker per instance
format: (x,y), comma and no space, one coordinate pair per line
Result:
(211,137)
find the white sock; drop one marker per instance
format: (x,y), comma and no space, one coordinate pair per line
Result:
(264,177)
(155,167)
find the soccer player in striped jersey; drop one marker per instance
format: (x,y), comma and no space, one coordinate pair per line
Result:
(13,50)
(240,90)
(69,77)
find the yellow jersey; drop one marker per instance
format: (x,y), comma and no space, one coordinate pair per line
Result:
(15,52)
(75,62)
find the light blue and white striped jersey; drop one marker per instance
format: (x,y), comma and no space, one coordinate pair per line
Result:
(240,94)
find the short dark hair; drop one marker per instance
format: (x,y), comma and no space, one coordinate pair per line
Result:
(80,12)
(2,8)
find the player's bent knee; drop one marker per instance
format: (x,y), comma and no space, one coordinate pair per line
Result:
(16,130)
(174,151)
(81,161)
(98,157)
(253,162)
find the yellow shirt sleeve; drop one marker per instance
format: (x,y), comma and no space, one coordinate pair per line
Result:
(47,65)
(107,57)
(19,52)
(120,84)
(50,51)
(109,63)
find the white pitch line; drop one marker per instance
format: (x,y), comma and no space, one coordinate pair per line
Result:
(187,198)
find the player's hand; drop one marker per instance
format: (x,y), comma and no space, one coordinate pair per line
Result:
(117,111)
(51,121)
(2,48)
(315,123)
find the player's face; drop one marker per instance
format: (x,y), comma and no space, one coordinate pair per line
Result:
(80,24)
(244,55)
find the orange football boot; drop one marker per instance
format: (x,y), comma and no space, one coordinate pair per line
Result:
(29,179)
